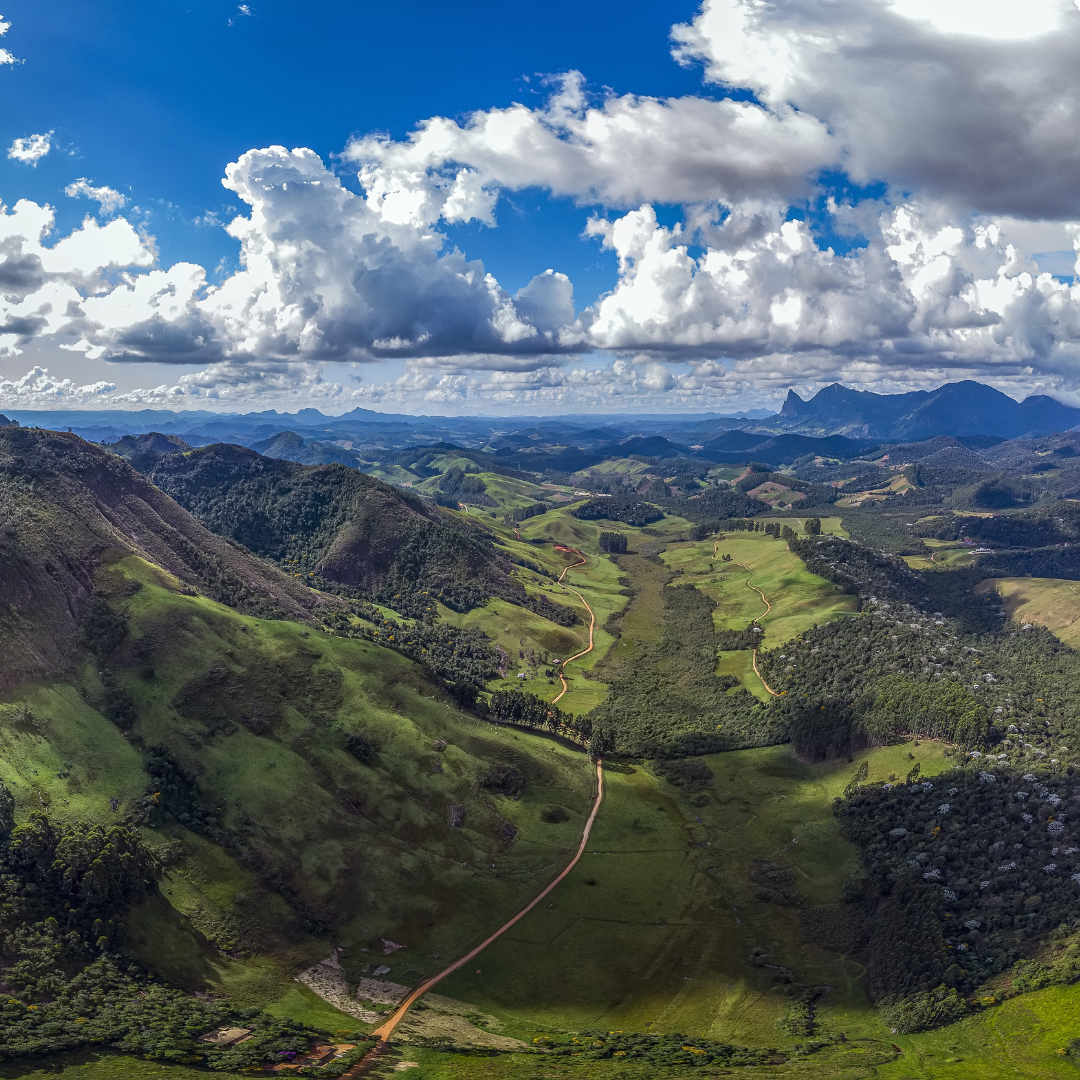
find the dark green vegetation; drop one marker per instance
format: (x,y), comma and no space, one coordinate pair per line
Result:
(67,887)
(613,543)
(618,508)
(666,700)
(206,798)
(598,1044)
(973,868)
(333,526)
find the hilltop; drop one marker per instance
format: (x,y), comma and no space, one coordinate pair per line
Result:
(338,527)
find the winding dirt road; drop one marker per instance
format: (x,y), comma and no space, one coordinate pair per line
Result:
(768,608)
(383,1033)
(592,618)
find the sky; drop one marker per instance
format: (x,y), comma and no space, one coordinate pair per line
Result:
(526,208)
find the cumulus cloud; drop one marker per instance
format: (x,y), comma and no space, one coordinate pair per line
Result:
(322,278)
(31,149)
(620,153)
(5,56)
(973,103)
(42,287)
(965,113)
(109,200)
(923,290)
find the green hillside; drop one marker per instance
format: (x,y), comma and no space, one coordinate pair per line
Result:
(836,838)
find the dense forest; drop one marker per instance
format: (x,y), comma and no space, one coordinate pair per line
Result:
(668,702)
(966,872)
(64,891)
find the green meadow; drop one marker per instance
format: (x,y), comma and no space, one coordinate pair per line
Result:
(663,926)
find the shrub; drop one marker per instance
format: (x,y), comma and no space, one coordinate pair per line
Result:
(918,1012)
(362,747)
(690,774)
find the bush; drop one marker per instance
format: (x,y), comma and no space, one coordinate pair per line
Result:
(362,747)
(502,779)
(918,1012)
(629,509)
(690,774)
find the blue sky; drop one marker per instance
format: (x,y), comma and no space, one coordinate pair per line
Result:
(735,199)
(153,99)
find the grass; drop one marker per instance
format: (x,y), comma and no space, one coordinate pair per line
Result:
(615,466)
(655,930)
(944,553)
(799,599)
(1049,602)
(655,927)
(369,849)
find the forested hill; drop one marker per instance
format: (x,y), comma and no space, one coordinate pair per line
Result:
(335,526)
(65,507)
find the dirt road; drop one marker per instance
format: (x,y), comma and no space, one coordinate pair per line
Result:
(383,1033)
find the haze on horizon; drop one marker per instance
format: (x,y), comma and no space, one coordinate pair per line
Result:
(636,208)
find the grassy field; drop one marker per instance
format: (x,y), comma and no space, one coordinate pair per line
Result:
(368,847)
(1049,602)
(799,599)
(658,926)
(945,553)
(520,631)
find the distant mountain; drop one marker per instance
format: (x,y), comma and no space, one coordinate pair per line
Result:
(957,409)
(142,450)
(738,446)
(656,446)
(288,446)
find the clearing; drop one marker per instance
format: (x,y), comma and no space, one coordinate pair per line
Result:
(1050,602)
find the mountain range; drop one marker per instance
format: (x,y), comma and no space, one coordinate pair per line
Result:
(963,408)
(957,409)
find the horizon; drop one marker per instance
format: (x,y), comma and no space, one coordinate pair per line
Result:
(735,414)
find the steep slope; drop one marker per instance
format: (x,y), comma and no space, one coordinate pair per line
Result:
(338,526)
(66,507)
(220,795)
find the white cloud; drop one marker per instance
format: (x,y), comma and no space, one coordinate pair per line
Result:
(924,291)
(322,278)
(109,199)
(623,152)
(5,56)
(31,149)
(36,389)
(966,112)
(974,103)
(42,287)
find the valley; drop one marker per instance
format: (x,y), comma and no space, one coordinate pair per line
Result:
(320,736)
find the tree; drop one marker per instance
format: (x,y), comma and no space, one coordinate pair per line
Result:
(7,812)
(787,533)
(613,543)
(812,527)
(858,778)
